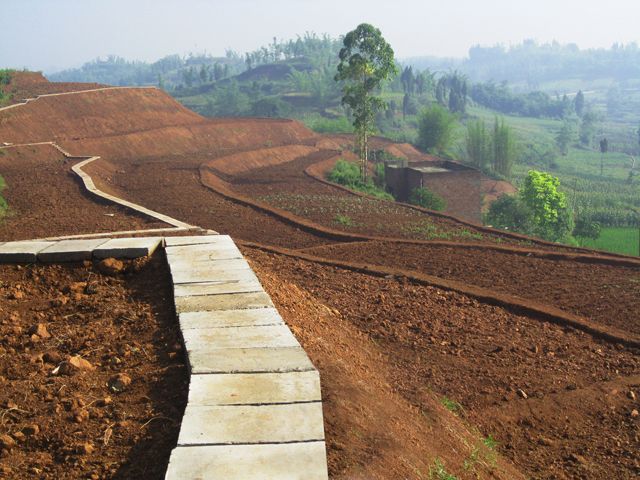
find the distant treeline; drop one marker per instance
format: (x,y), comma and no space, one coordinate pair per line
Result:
(534,63)
(167,72)
(323,50)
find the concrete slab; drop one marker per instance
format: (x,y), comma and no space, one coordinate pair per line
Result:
(128,247)
(254,388)
(266,336)
(219,425)
(224,243)
(179,265)
(196,240)
(71,250)
(233,301)
(249,360)
(230,318)
(22,252)
(203,275)
(208,255)
(216,288)
(289,461)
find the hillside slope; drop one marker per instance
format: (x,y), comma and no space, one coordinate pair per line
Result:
(435,337)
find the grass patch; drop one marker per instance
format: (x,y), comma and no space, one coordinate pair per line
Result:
(452,406)
(344,220)
(619,240)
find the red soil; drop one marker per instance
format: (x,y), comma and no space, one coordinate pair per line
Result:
(534,345)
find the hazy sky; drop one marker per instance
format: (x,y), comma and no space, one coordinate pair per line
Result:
(46,34)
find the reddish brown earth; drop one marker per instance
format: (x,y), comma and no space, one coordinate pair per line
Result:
(80,424)
(533,345)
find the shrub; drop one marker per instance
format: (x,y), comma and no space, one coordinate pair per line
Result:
(345,173)
(425,198)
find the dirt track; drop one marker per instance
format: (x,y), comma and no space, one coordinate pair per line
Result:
(422,342)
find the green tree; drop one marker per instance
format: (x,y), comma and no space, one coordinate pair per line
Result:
(505,148)
(189,76)
(436,129)
(540,193)
(204,74)
(586,228)
(538,209)
(509,212)
(588,127)
(565,137)
(478,143)
(366,60)
(579,103)
(604,148)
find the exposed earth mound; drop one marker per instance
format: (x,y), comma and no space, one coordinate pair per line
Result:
(444,347)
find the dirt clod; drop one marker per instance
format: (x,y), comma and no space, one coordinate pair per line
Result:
(39,330)
(111,266)
(118,382)
(30,430)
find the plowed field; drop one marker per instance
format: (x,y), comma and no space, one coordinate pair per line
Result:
(444,347)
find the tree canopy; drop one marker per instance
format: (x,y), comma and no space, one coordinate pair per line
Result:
(366,60)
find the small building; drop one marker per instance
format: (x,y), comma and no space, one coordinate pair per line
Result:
(458,184)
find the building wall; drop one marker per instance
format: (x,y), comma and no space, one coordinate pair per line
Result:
(460,186)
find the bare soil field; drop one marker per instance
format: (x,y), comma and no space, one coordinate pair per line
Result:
(470,352)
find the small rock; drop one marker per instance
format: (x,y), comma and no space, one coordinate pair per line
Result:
(60,301)
(118,382)
(35,358)
(84,449)
(73,365)
(31,430)
(546,442)
(634,414)
(110,266)
(18,436)
(53,358)
(40,330)
(82,416)
(17,295)
(6,442)
(76,287)
(631,395)
(522,394)
(104,402)
(577,458)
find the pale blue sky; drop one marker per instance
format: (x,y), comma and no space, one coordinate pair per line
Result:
(41,34)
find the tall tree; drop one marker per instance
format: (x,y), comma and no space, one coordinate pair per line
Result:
(436,129)
(579,103)
(478,143)
(565,137)
(366,60)
(588,127)
(505,148)
(604,148)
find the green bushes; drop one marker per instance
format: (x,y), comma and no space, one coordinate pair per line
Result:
(348,174)
(339,125)
(425,198)
(538,210)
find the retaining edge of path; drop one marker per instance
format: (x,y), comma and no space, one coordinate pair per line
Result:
(90,186)
(511,303)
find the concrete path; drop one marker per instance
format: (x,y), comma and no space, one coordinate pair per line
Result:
(255,408)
